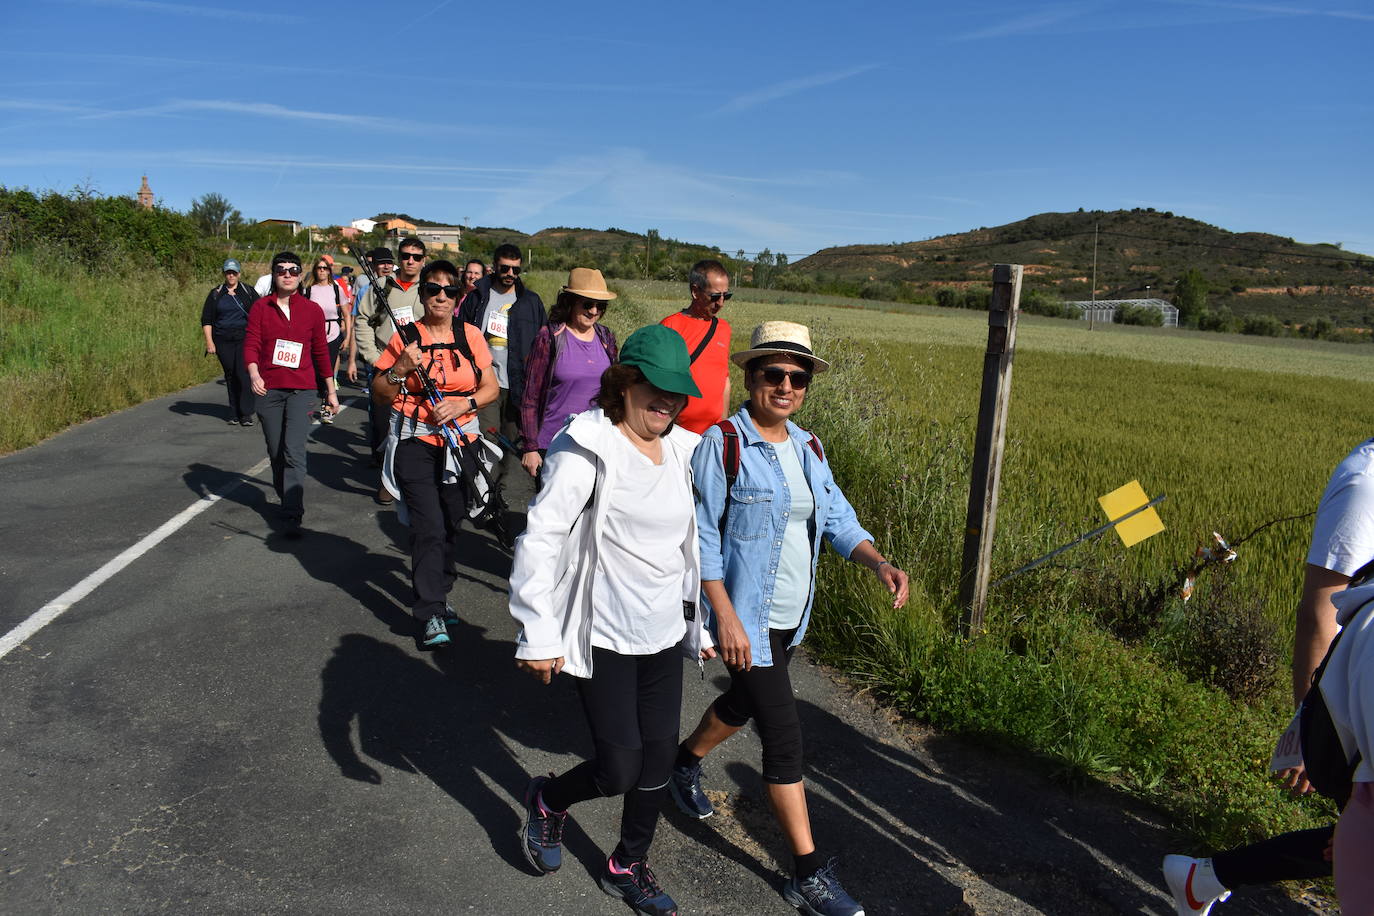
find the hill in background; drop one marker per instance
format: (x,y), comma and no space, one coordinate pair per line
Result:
(1140,254)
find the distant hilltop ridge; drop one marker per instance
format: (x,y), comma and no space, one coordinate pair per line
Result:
(1141,253)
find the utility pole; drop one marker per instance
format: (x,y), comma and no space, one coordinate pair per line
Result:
(988,445)
(1092,309)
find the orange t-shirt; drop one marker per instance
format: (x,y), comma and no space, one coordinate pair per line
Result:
(450,372)
(710,371)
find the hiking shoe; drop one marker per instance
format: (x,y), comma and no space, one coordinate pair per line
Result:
(685,786)
(1194,885)
(436,632)
(821,894)
(246,421)
(638,887)
(541,836)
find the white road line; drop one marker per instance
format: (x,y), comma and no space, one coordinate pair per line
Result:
(64,602)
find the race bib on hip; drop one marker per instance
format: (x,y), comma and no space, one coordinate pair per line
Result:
(404,315)
(498,323)
(287,354)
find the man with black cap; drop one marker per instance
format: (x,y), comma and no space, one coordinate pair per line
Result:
(374,330)
(509,315)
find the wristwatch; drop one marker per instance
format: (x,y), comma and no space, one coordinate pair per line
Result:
(394,378)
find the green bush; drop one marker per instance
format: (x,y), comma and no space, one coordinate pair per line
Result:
(1140,315)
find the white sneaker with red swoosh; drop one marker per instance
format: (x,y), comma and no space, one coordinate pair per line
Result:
(1194,885)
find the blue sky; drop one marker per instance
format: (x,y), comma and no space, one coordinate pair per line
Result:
(792,126)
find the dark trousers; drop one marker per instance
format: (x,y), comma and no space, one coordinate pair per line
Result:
(632,704)
(504,416)
(229,350)
(1292,856)
(333,346)
(378,417)
(285,417)
(765,695)
(437,511)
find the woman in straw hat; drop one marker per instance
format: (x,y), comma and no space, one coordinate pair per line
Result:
(563,370)
(767,499)
(607,592)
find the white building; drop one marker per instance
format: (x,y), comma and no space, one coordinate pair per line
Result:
(364,225)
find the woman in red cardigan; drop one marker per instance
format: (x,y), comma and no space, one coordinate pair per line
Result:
(287,356)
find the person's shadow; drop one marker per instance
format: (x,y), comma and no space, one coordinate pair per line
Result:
(897,819)
(453,717)
(200,409)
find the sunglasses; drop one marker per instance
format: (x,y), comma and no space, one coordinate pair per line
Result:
(592,305)
(429,290)
(282,269)
(412,256)
(717,297)
(508,269)
(773,375)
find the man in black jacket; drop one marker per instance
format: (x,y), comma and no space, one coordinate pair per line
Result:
(510,316)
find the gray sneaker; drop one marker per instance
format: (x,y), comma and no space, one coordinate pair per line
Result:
(821,894)
(685,786)
(436,632)
(541,834)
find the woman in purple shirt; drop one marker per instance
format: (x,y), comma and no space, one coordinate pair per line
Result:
(563,370)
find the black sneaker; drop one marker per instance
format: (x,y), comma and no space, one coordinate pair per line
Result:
(821,894)
(541,836)
(638,887)
(246,421)
(685,786)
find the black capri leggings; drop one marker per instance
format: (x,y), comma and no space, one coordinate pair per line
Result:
(765,695)
(632,703)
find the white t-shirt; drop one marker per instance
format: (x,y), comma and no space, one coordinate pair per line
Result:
(495,324)
(792,586)
(637,596)
(1343,535)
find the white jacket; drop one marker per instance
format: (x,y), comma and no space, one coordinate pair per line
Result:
(552,580)
(1347,684)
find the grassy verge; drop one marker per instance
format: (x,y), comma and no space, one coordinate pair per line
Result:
(77,343)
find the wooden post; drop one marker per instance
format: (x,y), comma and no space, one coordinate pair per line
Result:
(988,445)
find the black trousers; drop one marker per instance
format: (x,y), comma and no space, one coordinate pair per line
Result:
(437,510)
(378,416)
(1286,857)
(765,695)
(229,351)
(334,346)
(632,704)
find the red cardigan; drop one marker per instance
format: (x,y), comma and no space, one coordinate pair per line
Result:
(267,324)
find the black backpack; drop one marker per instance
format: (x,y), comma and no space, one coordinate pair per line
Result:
(1323,756)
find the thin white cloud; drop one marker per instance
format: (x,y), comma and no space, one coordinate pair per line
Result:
(1274,9)
(253,109)
(1034,21)
(790,87)
(45,107)
(187,9)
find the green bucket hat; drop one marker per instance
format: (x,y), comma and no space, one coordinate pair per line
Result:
(661,354)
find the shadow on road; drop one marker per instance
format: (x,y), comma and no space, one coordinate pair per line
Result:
(219,410)
(450,717)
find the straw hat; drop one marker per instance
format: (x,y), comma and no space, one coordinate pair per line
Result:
(588,283)
(780,337)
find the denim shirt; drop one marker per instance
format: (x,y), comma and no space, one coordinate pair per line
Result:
(747,561)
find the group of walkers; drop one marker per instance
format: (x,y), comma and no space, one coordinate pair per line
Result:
(662,527)
(665,525)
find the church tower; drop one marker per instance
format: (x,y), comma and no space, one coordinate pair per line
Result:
(145,195)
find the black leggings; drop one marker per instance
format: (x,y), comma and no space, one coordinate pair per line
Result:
(765,694)
(334,346)
(1286,857)
(632,704)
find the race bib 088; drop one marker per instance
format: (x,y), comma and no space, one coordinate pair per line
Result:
(287,354)
(404,315)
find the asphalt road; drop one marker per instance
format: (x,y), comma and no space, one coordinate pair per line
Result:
(237,723)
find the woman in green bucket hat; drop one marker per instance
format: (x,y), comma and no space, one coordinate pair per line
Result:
(605,586)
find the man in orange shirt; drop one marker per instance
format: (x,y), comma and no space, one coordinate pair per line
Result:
(708,343)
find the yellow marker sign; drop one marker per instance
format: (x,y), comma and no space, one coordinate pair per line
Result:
(1139,526)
